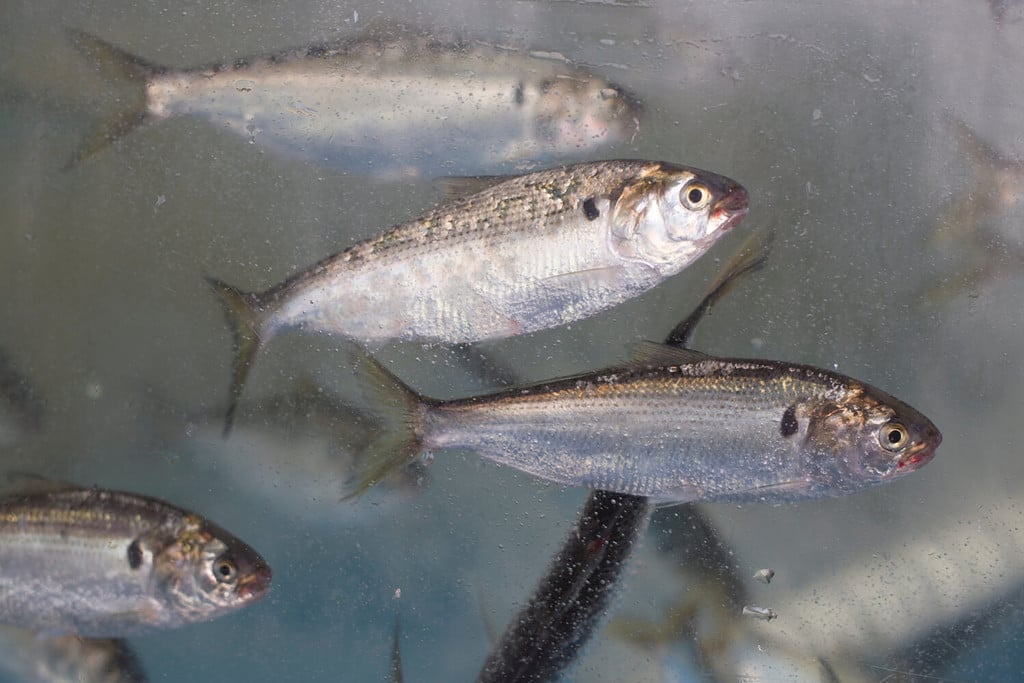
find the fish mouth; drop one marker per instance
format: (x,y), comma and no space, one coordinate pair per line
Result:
(920,455)
(734,207)
(256,585)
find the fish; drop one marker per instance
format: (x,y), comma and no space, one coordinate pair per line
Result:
(675,425)
(545,638)
(392,101)
(110,564)
(995,186)
(513,256)
(33,658)
(975,219)
(21,408)
(291,450)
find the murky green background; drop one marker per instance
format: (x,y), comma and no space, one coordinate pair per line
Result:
(832,115)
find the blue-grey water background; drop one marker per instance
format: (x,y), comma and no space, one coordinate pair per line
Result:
(833,115)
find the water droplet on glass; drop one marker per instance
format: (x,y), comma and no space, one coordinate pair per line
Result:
(245,85)
(764,575)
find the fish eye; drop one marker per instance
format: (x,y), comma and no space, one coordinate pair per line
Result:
(695,196)
(893,436)
(225,570)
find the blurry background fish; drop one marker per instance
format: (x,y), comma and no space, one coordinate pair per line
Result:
(29,657)
(393,101)
(295,450)
(982,222)
(21,409)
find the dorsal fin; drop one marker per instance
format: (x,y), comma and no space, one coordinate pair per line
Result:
(457,187)
(654,354)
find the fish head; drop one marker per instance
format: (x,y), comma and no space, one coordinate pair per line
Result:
(668,216)
(576,114)
(204,571)
(865,438)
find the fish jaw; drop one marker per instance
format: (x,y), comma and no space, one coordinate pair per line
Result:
(255,586)
(921,453)
(732,209)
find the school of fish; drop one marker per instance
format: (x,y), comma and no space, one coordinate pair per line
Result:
(499,256)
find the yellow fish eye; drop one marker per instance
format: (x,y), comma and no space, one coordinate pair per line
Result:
(695,196)
(893,436)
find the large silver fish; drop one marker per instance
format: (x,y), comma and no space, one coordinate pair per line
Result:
(387,102)
(527,253)
(31,657)
(107,564)
(676,426)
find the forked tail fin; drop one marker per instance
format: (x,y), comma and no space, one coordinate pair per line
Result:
(115,66)
(398,443)
(247,317)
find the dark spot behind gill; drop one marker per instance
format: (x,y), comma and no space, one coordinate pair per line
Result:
(788,426)
(590,209)
(134,555)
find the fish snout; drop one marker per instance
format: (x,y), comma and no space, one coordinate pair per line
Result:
(732,208)
(922,452)
(734,201)
(256,584)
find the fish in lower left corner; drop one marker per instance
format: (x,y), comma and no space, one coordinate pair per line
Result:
(109,564)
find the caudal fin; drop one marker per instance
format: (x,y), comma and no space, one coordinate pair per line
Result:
(397,445)
(247,317)
(115,66)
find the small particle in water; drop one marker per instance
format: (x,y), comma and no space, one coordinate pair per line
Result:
(398,593)
(816,115)
(94,390)
(607,41)
(762,613)
(160,201)
(245,85)
(764,575)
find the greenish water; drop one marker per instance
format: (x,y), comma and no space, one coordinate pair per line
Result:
(833,117)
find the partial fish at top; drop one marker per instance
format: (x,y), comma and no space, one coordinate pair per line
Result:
(391,101)
(523,254)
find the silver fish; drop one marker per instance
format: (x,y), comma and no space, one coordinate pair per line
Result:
(973,219)
(106,564)
(387,102)
(34,658)
(524,254)
(675,426)
(544,639)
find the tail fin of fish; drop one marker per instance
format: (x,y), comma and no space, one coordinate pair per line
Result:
(398,443)
(115,66)
(247,315)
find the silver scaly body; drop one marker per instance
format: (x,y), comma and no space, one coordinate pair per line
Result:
(109,564)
